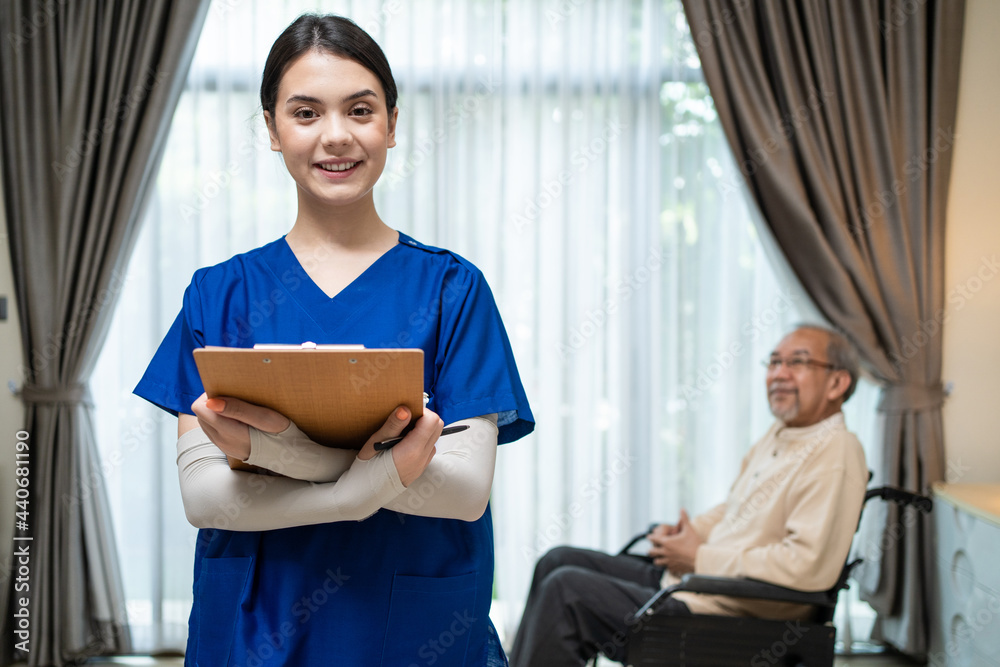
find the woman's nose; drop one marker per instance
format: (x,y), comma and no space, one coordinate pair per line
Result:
(336,132)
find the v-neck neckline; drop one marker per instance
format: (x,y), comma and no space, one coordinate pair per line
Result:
(331,313)
(322,294)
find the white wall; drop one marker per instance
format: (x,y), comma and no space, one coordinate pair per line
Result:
(972,261)
(11,413)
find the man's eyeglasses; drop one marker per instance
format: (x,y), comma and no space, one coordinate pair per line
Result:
(795,363)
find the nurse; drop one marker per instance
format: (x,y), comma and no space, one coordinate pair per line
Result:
(346,558)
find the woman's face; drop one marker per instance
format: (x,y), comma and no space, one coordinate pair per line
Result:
(332,128)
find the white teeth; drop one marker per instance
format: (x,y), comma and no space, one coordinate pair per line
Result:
(344,166)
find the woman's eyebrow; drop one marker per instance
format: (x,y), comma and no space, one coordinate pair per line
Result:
(303,98)
(361,93)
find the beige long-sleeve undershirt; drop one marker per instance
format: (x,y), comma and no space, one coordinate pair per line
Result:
(320,485)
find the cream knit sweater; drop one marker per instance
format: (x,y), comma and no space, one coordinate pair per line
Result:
(789,518)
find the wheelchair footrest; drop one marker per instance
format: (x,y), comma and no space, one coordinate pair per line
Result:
(724,641)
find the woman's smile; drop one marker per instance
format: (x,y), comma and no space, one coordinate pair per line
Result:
(338,169)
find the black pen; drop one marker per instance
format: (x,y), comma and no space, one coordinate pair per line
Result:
(448,430)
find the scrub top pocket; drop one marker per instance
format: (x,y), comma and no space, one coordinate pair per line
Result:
(218,596)
(431,620)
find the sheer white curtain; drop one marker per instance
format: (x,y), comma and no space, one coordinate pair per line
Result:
(570,149)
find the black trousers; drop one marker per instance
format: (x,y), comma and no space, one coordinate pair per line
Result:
(578,606)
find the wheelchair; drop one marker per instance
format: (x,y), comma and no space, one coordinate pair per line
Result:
(729,641)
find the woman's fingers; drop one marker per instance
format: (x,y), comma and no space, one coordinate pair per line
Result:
(261,418)
(414,452)
(392,427)
(226,422)
(230,435)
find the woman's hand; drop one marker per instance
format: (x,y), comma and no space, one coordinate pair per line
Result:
(412,454)
(226,422)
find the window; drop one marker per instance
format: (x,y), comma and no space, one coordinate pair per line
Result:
(570,150)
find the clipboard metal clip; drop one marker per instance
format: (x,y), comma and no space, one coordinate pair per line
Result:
(308,345)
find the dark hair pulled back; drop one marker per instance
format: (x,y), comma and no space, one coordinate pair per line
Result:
(327,33)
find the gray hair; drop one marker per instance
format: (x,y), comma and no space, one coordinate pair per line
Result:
(841,354)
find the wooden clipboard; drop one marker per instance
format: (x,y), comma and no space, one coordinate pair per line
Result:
(338,395)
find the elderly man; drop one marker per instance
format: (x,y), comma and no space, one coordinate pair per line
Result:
(789,519)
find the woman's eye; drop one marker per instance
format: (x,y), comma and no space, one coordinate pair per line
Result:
(361,111)
(305,114)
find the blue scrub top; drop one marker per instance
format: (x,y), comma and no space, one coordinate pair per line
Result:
(394,589)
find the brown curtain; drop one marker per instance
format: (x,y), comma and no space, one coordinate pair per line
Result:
(841,116)
(88,91)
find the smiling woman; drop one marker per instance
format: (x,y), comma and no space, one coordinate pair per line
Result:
(287,534)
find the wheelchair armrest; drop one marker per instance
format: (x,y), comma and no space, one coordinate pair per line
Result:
(635,540)
(751,588)
(901,497)
(737,588)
